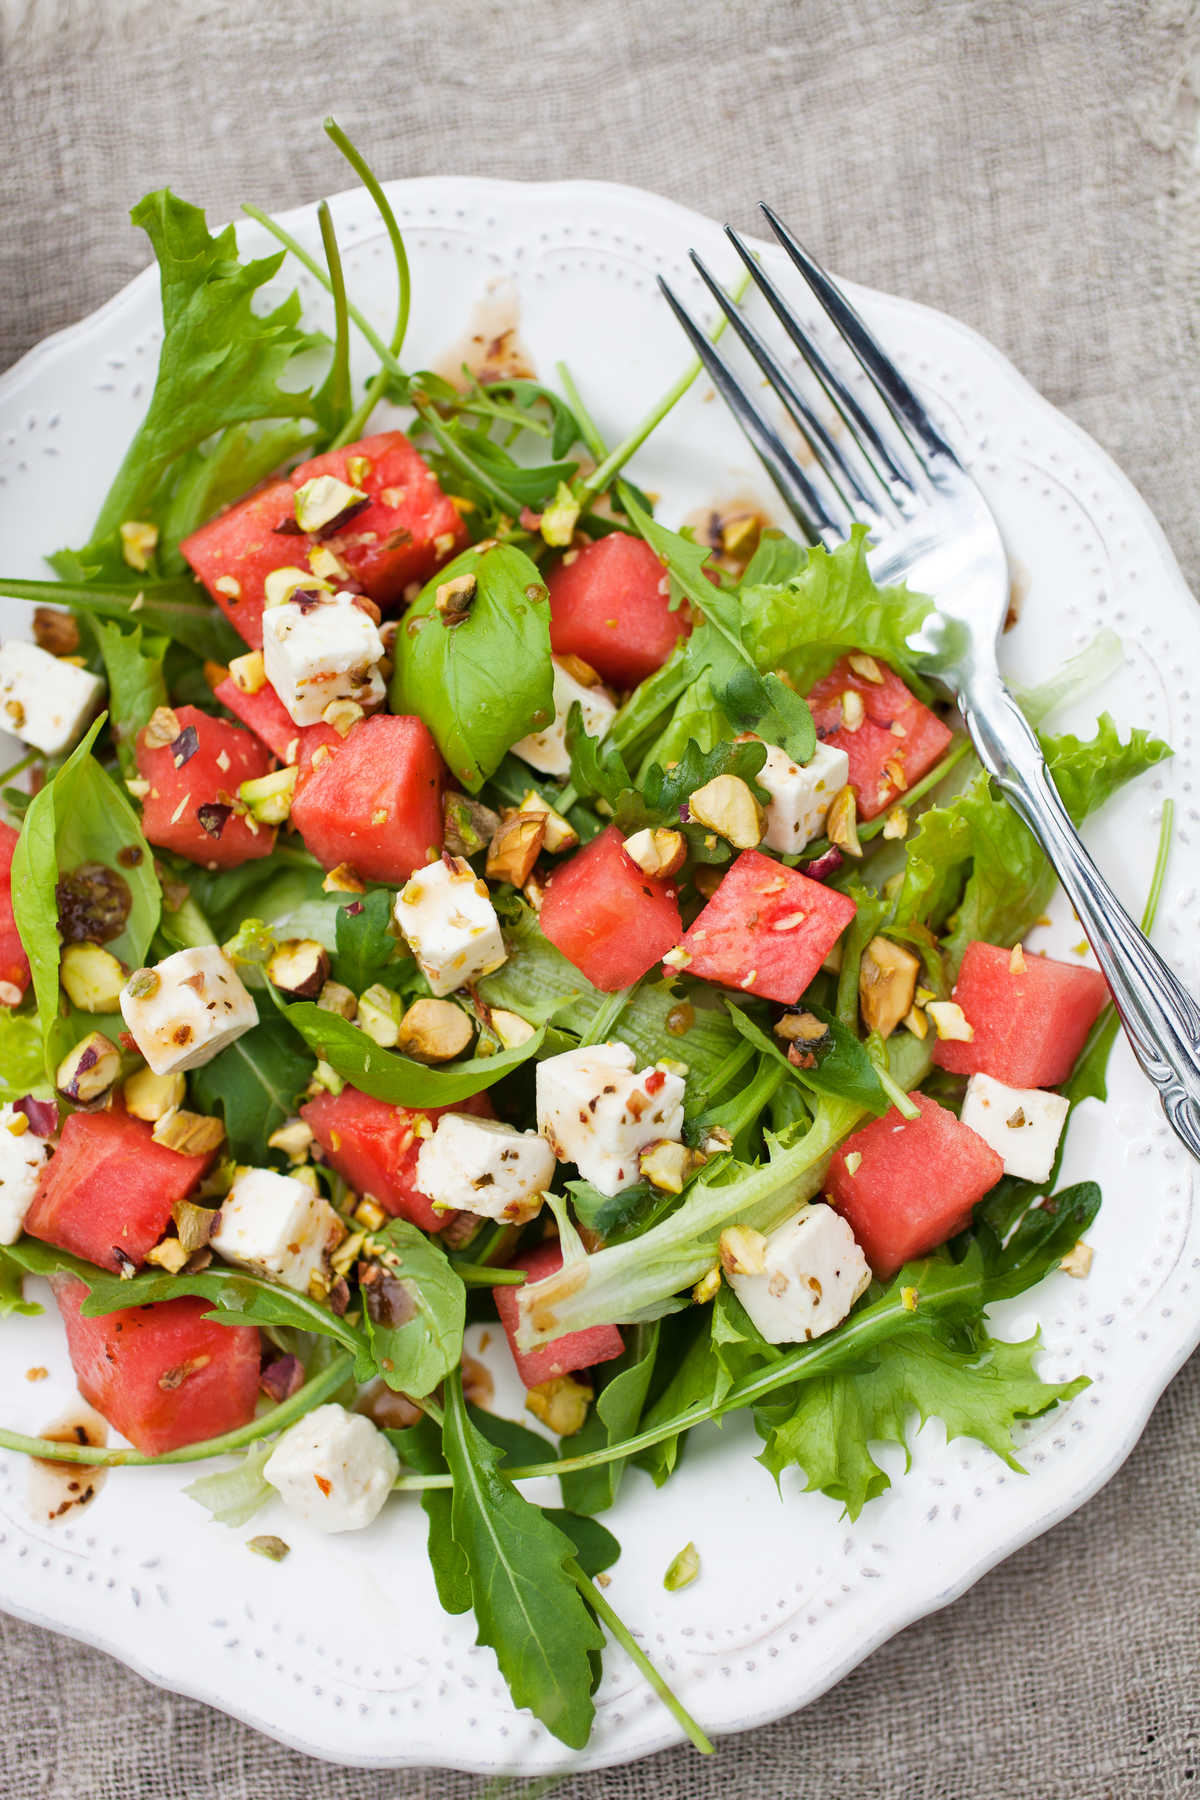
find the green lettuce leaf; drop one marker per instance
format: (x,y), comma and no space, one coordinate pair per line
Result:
(234,1495)
(133,662)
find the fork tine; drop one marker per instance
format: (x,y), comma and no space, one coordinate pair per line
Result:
(804,503)
(903,404)
(838,470)
(899,480)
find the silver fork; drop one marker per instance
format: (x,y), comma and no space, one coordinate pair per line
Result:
(892,470)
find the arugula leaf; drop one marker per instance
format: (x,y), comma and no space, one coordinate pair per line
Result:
(133,663)
(389,1076)
(366,949)
(596,1549)
(179,609)
(615,1416)
(420,1447)
(979,1394)
(415,1354)
(527,1606)
(220,365)
(80,816)
(483,683)
(254,1084)
(233,1496)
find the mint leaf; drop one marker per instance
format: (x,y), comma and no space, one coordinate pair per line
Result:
(485,682)
(527,1606)
(414,1352)
(254,1085)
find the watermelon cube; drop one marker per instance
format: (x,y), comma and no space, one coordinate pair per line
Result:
(906,1185)
(268,718)
(766,930)
(408,529)
(564,1355)
(376,802)
(14,964)
(611,607)
(235,552)
(896,742)
(107,1192)
(610,920)
(374,1146)
(163,1376)
(194,790)
(1030,1015)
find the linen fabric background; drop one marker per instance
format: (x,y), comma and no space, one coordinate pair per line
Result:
(1029,166)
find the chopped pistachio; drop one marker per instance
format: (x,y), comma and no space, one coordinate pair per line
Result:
(708,1286)
(169,1255)
(1016,962)
(841,823)
(433,1031)
(89,1070)
(149,1096)
(667,1165)
(192,1134)
(727,805)
(510,1028)
(867,668)
(562,1404)
(193,1223)
(335,998)
(455,598)
(281,584)
(92,977)
(379,1015)
(273,1548)
(887,984)
(915,1021)
(139,540)
(950,1022)
(1078,1261)
(743,1250)
(560,833)
(294,1138)
(468,825)
(559,519)
(909,1298)
(516,846)
(853,711)
(249,672)
(162,728)
(269,797)
(658,852)
(369,1215)
(343,715)
(801,1028)
(344,880)
(896,824)
(683,1570)
(321,501)
(299,967)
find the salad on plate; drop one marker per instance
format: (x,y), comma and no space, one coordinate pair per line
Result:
(438,894)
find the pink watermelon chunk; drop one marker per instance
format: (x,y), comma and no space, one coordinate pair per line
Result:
(897,742)
(906,1185)
(610,920)
(766,930)
(1030,1021)
(562,1356)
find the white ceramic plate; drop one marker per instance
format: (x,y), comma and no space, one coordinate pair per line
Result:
(342,1650)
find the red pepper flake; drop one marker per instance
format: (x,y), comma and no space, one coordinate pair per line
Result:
(655,1080)
(325,1485)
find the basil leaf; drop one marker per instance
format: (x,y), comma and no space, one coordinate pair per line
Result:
(81,816)
(133,663)
(527,1606)
(413,1356)
(389,1076)
(254,1084)
(483,683)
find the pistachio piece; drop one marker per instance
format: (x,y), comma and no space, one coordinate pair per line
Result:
(727,806)
(510,1028)
(853,711)
(708,1286)
(560,833)
(299,967)
(454,599)
(950,1022)
(743,1250)
(580,671)
(841,822)
(344,880)
(867,668)
(887,983)
(149,1096)
(324,501)
(92,977)
(294,1138)
(162,728)
(658,852)
(169,1255)
(343,715)
(379,1015)
(558,520)
(139,540)
(801,1028)
(195,1224)
(89,1070)
(683,1570)
(368,1214)
(1078,1260)
(915,1021)
(666,1165)
(562,1404)
(433,1031)
(335,998)
(281,584)
(192,1134)
(249,672)
(468,825)
(515,847)
(268,798)
(55,632)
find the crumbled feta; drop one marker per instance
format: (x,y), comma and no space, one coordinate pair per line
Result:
(186,1008)
(318,648)
(333,1469)
(277,1226)
(801,794)
(449,923)
(22,1154)
(485,1167)
(546,750)
(44,700)
(598,1112)
(1022,1125)
(813,1272)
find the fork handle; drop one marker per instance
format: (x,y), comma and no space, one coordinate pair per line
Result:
(1159,1015)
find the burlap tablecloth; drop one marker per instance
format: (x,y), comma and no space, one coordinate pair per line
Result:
(1030,167)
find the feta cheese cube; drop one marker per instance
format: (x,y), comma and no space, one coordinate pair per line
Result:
(186,1008)
(1022,1125)
(333,1469)
(22,1155)
(483,1166)
(800,794)
(449,923)
(318,648)
(598,1112)
(43,700)
(546,750)
(277,1226)
(813,1273)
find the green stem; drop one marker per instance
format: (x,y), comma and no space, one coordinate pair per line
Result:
(339,372)
(319,1388)
(19,768)
(308,261)
(378,385)
(606,1016)
(618,1629)
(467,464)
(1150,910)
(479,1275)
(895,1093)
(872,827)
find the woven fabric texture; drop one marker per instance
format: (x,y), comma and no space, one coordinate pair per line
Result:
(1028,165)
